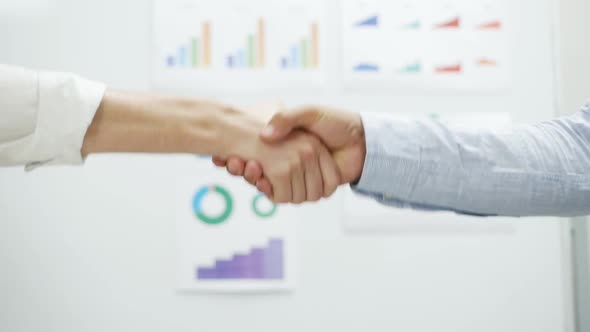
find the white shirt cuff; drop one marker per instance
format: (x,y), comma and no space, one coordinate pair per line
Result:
(67,105)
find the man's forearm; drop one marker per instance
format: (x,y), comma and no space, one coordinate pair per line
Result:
(538,169)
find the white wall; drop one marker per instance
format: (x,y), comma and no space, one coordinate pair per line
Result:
(574,37)
(92,248)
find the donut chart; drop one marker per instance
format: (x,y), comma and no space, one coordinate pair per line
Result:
(211,219)
(263,214)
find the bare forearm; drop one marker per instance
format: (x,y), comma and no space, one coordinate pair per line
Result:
(129,122)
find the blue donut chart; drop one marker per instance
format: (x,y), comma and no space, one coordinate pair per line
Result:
(198,200)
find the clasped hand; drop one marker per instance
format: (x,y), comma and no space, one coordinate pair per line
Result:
(304,155)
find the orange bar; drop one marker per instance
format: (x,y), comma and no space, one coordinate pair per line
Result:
(315,53)
(206,44)
(260,40)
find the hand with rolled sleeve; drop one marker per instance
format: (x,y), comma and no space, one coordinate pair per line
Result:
(526,170)
(50,118)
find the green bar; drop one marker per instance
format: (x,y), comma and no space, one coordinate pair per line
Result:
(195,57)
(304,54)
(251,55)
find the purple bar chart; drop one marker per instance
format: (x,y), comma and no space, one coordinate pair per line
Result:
(260,263)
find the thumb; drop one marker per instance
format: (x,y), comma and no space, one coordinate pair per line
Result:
(283,123)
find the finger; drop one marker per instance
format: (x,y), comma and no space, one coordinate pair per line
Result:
(283,123)
(314,183)
(331,174)
(263,185)
(235,166)
(298,187)
(252,172)
(281,186)
(219,162)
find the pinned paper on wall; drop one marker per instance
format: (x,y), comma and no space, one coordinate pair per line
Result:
(228,45)
(231,238)
(427,45)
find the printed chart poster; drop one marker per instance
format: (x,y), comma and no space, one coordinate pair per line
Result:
(231,238)
(238,45)
(448,45)
(365,214)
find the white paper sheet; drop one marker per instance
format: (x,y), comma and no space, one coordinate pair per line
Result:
(426,45)
(230,237)
(237,45)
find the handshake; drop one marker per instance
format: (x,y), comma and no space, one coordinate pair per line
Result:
(301,155)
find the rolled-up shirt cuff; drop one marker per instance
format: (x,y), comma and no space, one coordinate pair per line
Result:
(392,161)
(67,105)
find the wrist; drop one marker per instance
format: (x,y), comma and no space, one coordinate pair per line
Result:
(236,134)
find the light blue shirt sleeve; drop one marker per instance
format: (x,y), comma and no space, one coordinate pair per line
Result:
(526,170)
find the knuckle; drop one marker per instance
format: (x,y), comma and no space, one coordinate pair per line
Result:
(295,166)
(281,181)
(307,153)
(280,172)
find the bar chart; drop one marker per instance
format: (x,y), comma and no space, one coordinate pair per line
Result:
(446,45)
(411,68)
(366,67)
(453,23)
(264,262)
(412,25)
(251,54)
(195,53)
(449,69)
(303,54)
(371,21)
(199,45)
(491,25)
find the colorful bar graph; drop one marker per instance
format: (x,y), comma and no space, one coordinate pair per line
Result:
(304,54)
(252,54)
(196,53)
(260,263)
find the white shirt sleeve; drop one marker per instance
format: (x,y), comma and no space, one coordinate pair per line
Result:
(44,116)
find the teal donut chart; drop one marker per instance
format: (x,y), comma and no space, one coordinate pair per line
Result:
(198,200)
(258,212)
